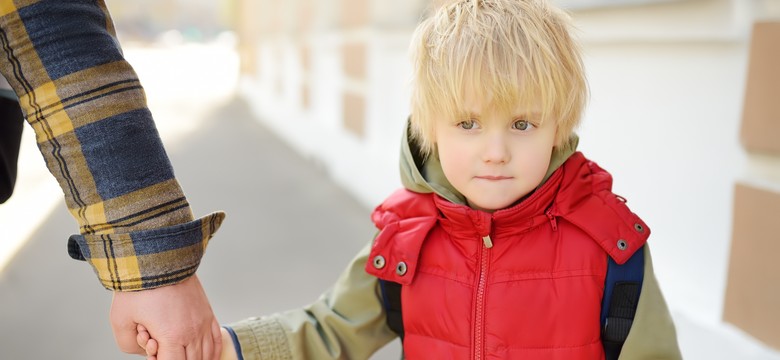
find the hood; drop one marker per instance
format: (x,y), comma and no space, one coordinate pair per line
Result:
(426,175)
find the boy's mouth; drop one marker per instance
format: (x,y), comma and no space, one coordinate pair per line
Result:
(494,178)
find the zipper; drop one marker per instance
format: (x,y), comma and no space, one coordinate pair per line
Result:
(486,240)
(479,317)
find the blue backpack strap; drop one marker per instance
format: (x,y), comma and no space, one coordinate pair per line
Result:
(622,288)
(391,300)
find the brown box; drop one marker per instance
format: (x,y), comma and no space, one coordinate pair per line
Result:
(753,287)
(354,113)
(354,13)
(354,56)
(761,111)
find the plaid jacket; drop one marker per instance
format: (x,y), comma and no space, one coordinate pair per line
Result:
(93,127)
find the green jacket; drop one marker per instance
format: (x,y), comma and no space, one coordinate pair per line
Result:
(348,321)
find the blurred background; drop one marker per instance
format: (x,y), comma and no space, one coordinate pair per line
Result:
(297,108)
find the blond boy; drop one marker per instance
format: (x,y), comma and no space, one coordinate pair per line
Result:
(501,236)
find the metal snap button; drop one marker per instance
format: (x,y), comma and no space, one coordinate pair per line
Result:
(379,261)
(622,244)
(639,228)
(401,268)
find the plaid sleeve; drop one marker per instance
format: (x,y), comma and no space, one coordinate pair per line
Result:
(98,138)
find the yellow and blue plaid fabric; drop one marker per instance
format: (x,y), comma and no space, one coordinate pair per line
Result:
(98,138)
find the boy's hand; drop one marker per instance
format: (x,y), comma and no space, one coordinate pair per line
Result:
(228,349)
(178,316)
(146,342)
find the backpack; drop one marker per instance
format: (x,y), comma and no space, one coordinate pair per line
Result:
(11,125)
(622,288)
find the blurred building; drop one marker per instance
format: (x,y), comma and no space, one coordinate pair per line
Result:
(195,20)
(684,113)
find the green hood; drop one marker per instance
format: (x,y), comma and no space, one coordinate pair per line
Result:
(426,176)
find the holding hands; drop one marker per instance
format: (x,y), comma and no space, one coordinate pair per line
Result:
(178,316)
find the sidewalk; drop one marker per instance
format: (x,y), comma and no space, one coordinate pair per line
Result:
(288,234)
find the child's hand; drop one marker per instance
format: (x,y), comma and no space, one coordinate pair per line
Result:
(146,342)
(228,349)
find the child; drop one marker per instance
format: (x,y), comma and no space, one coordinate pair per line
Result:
(501,238)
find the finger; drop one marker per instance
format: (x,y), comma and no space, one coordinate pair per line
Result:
(194,351)
(142,339)
(216,335)
(171,352)
(208,347)
(151,347)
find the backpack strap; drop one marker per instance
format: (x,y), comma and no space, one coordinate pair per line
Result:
(391,297)
(622,288)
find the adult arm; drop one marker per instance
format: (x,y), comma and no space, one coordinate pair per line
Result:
(98,138)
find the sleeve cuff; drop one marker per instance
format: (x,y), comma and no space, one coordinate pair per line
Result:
(146,259)
(262,338)
(236,344)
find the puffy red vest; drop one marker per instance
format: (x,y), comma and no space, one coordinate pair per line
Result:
(524,282)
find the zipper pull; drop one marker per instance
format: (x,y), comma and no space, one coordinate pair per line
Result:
(553,221)
(486,240)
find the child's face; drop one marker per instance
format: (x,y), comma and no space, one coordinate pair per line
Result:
(494,158)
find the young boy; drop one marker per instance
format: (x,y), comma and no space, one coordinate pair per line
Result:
(501,238)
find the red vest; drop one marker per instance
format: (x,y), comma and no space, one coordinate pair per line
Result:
(524,282)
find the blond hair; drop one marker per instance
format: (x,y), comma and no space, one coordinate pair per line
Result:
(509,52)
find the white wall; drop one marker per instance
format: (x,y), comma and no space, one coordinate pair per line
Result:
(368,165)
(664,119)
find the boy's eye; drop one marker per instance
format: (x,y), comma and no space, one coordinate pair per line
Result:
(522,125)
(467,124)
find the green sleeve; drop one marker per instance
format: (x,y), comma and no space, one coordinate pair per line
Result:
(347,322)
(652,334)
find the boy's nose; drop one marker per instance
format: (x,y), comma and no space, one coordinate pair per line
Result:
(496,150)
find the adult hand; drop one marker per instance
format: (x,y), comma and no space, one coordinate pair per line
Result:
(177,316)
